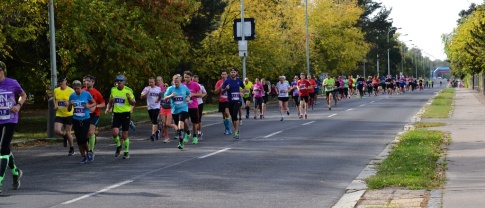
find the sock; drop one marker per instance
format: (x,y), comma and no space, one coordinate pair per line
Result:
(226,123)
(3,166)
(12,166)
(117,141)
(92,140)
(127,145)
(199,132)
(247,110)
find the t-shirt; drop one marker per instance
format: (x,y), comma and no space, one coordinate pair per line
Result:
(8,89)
(222,95)
(247,89)
(233,91)
(61,96)
(80,112)
(152,96)
(165,104)
(194,88)
(121,103)
(257,90)
(360,82)
(282,89)
(303,86)
(312,82)
(351,82)
(202,90)
(346,83)
(179,103)
(97,97)
(329,83)
(296,93)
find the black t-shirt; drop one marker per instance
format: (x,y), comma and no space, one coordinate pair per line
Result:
(360,81)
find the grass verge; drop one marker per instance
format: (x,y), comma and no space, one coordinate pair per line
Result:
(413,163)
(441,105)
(423,125)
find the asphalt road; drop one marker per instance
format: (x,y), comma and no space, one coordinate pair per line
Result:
(293,163)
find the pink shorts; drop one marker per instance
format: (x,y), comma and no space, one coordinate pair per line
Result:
(166,112)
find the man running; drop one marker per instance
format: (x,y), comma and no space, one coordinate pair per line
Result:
(247,95)
(151,93)
(360,85)
(296,94)
(179,96)
(303,86)
(231,86)
(258,98)
(89,81)
(63,116)
(282,88)
(311,90)
(328,85)
(193,106)
(200,100)
(121,98)
(223,104)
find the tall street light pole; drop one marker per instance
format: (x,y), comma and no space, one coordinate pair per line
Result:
(52,33)
(306,38)
(388,63)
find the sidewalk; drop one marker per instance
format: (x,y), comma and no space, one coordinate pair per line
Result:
(465,185)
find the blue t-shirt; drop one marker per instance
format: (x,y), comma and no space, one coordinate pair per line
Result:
(233,93)
(80,112)
(179,103)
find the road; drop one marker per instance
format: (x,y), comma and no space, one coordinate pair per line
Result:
(293,163)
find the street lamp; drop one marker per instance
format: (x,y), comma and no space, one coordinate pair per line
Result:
(306,39)
(388,63)
(402,54)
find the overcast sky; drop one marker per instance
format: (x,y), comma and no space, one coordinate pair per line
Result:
(425,21)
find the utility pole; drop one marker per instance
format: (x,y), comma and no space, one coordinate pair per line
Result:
(52,33)
(306,38)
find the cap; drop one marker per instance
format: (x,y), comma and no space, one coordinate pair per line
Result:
(234,69)
(61,79)
(120,78)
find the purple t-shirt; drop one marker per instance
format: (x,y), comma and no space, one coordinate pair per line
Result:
(194,87)
(8,89)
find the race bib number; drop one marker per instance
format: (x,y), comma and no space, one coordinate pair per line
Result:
(235,96)
(79,111)
(178,100)
(4,113)
(61,103)
(329,88)
(119,101)
(302,86)
(224,95)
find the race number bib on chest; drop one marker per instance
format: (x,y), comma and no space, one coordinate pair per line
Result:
(61,103)
(235,96)
(178,100)
(119,101)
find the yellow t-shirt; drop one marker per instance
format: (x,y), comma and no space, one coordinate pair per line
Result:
(121,103)
(60,96)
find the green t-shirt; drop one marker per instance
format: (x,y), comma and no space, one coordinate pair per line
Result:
(121,103)
(329,83)
(247,89)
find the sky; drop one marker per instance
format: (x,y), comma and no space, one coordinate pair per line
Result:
(424,21)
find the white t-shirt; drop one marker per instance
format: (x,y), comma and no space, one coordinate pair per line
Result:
(282,89)
(152,96)
(202,90)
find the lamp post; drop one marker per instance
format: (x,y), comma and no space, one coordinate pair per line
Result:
(306,38)
(402,55)
(388,63)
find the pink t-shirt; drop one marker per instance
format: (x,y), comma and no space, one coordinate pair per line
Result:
(258,90)
(194,88)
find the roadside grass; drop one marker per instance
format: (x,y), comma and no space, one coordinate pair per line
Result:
(33,123)
(413,163)
(423,125)
(441,105)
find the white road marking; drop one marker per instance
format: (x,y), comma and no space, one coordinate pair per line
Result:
(362,105)
(216,152)
(349,109)
(269,135)
(308,123)
(332,115)
(372,101)
(98,192)
(212,124)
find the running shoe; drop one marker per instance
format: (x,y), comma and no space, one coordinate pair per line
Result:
(186,138)
(126,155)
(301,116)
(71,152)
(254,117)
(132,126)
(157,135)
(226,132)
(0,189)
(181,145)
(16,180)
(83,160)
(240,122)
(247,116)
(288,113)
(166,140)
(195,140)
(261,116)
(65,140)
(236,135)
(281,118)
(152,137)
(199,136)
(306,116)
(118,150)
(90,156)
(176,136)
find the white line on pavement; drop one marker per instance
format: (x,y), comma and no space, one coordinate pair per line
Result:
(362,105)
(372,101)
(349,109)
(272,134)
(212,124)
(332,115)
(308,123)
(98,192)
(216,152)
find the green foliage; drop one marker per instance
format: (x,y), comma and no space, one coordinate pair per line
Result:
(413,163)
(441,105)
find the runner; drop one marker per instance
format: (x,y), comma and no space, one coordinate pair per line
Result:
(328,85)
(266,91)
(369,85)
(303,86)
(247,95)
(193,106)
(223,104)
(282,88)
(63,116)
(346,87)
(150,93)
(389,85)
(375,84)
(179,96)
(258,98)
(296,94)
(122,100)
(165,111)
(81,101)
(89,81)
(231,86)
(311,91)
(8,120)
(351,86)
(360,85)
(200,100)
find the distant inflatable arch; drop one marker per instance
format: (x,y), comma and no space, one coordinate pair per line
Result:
(441,70)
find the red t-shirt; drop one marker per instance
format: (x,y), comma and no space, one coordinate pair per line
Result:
(222,95)
(311,89)
(97,97)
(304,86)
